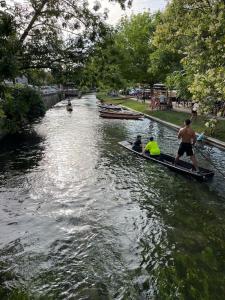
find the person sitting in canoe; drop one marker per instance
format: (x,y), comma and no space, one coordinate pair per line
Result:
(137,145)
(152,147)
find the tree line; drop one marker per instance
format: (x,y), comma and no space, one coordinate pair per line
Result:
(183,47)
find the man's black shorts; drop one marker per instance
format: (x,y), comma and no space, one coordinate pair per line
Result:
(185,148)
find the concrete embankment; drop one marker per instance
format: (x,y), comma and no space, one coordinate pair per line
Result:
(51,99)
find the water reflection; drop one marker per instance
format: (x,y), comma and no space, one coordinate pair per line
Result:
(21,152)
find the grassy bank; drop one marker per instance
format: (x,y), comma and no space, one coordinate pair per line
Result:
(173,117)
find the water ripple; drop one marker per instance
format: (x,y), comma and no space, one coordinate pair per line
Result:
(82,219)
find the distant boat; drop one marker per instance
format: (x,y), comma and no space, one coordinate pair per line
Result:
(69,108)
(110,106)
(110,114)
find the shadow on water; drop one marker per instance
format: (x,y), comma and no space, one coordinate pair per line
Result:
(21,152)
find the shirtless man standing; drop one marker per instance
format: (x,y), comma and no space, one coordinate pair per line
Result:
(188,139)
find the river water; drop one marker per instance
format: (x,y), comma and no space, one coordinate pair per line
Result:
(82,218)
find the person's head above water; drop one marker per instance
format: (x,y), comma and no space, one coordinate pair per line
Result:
(187,122)
(138,137)
(151,138)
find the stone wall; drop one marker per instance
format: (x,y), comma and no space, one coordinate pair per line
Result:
(52,99)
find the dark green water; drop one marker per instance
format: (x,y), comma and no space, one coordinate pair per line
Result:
(82,219)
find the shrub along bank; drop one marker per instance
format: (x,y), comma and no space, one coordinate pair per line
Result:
(20,106)
(173,117)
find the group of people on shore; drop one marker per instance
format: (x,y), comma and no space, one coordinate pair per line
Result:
(160,102)
(188,140)
(156,102)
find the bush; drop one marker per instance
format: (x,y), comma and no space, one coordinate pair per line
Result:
(21,106)
(84,89)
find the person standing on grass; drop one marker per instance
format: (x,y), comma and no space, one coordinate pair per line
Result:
(194,111)
(152,103)
(178,101)
(143,98)
(188,140)
(162,100)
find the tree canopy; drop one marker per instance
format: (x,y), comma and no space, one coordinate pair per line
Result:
(54,32)
(133,42)
(196,31)
(122,58)
(183,46)
(8,42)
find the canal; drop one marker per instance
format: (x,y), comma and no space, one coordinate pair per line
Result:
(81,218)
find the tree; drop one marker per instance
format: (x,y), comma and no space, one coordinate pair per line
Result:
(39,77)
(121,58)
(8,41)
(133,41)
(52,32)
(196,30)
(179,81)
(209,88)
(104,67)
(163,62)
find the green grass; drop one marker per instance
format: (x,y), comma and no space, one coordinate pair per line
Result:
(178,118)
(173,117)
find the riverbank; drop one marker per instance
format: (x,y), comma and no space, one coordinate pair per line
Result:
(172,117)
(49,100)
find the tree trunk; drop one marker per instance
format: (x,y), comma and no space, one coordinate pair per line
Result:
(33,20)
